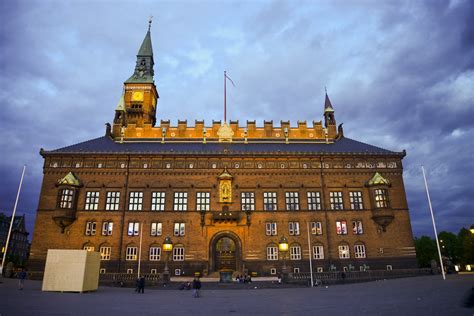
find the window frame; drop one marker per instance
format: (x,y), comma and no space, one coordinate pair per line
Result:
(344,250)
(247,201)
(154,253)
(314,200)
(66,197)
(294,228)
(203,201)
(360,251)
(341,227)
(158,201)
(272,253)
(156,229)
(356,200)
(318,252)
(292,200)
(178,253)
(316,228)
(91,202)
(135,228)
(270,201)
(336,200)
(295,252)
(135,201)
(131,253)
(180,201)
(107,228)
(91,228)
(112,200)
(179,229)
(105,253)
(271,229)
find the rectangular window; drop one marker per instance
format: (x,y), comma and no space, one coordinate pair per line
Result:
(318,252)
(295,253)
(135,202)
(158,201)
(203,201)
(179,229)
(247,201)
(156,229)
(356,200)
(92,201)
(271,229)
(107,228)
(314,201)
(112,202)
(155,253)
(272,253)
(105,253)
(131,254)
(316,228)
(292,201)
(178,253)
(341,227)
(357,228)
(344,252)
(335,198)
(381,198)
(133,228)
(90,228)
(294,228)
(359,251)
(66,198)
(180,202)
(270,201)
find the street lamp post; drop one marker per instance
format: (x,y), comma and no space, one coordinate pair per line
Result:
(167,248)
(283,249)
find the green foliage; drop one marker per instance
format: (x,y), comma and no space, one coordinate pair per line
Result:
(466,244)
(425,251)
(450,247)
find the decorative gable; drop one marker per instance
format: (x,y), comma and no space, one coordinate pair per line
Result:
(70,179)
(377,179)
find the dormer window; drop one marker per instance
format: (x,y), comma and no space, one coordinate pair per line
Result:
(381,198)
(66,198)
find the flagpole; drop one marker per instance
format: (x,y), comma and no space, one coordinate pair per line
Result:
(140,250)
(225,97)
(434,224)
(11,222)
(310,261)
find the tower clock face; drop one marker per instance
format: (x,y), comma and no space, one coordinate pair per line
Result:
(137,96)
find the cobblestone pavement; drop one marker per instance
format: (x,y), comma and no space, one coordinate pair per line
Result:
(428,295)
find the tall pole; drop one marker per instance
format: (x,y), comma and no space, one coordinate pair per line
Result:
(310,261)
(140,250)
(434,224)
(225,96)
(12,220)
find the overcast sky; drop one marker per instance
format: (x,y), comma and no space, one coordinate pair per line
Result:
(400,75)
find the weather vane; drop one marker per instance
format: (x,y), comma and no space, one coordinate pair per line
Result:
(149,22)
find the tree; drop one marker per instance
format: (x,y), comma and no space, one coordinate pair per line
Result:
(466,246)
(425,251)
(449,245)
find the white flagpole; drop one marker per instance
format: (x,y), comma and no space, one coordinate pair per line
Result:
(310,261)
(434,224)
(140,250)
(11,222)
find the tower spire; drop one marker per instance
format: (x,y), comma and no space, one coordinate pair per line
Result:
(144,67)
(329,118)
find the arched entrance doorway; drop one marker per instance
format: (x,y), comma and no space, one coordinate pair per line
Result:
(225,252)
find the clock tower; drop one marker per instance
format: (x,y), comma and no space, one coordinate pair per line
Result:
(137,105)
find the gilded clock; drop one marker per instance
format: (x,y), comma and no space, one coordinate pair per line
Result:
(137,96)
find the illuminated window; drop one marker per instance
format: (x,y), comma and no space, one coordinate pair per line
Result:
(89,248)
(341,227)
(156,229)
(344,252)
(271,229)
(158,200)
(381,198)
(92,201)
(155,253)
(131,253)
(107,228)
(270,201)
(133,228)
(272,253)
(335,198)
(294,228)
(135,202)
(357,228)
(179,229)
(105,253)
(112,202)
(203,201)
(356,200)
(316,228)
(90,228)
(247,201)
(318,252)
(178,253)
(292,201)
(359,251)
(314,201)
(65,198)
(295,252)
(180,201)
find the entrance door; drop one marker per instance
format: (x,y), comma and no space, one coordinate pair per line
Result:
(225,254)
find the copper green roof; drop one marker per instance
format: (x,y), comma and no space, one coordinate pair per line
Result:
(146,49)
(377,179)
(70,179)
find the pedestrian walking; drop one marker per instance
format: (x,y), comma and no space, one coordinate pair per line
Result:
(21,279)
(141,285)
(196,287)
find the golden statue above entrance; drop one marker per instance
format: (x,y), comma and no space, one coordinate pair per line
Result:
(225,187)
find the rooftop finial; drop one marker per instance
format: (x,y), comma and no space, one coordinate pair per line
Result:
(325,89)
(149,22)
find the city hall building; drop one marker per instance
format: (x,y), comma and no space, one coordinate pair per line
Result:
(224,193)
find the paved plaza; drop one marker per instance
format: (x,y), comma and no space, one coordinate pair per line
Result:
(428,295)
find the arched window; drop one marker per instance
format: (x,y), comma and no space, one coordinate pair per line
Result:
(131,253)
(178,253)
(155,252)
(105,251)
(295,252)
(359,250)
(344,252)
(318,252)
(272,252)
(88,246)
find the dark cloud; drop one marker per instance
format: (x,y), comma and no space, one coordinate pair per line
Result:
(400,75)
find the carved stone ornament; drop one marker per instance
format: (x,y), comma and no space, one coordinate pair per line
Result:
(225,187)
(225,133)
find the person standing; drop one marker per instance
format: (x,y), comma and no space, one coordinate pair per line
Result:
(141,285)
(196,287)
(21,279)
